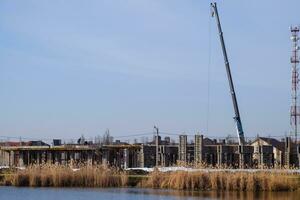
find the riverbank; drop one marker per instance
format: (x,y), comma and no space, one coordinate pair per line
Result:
(102,176)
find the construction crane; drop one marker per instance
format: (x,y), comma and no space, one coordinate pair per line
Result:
(237,117)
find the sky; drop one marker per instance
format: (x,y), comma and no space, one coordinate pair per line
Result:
(77,67)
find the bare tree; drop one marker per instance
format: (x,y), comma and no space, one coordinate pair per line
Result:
(98,139)
(107,138)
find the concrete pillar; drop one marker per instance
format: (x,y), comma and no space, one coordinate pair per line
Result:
(287,151)
(126,159)
(72,158)
(89,157)
(219,155)
(241,156)
(21,159)
(49,157)
(11,158)
(38,157)
(261,158)
(198,148)
(135,158)
(258,157)
(212,159)
(157,156)
(63,157)
(182,148)
(142,159)
(43,157)
(162,155)
(201,144)
(105,157)
(56,158)
(28,158)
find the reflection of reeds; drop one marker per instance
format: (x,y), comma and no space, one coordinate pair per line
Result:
(238,181)
(63,176)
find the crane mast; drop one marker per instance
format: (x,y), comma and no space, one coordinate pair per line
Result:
(237,117)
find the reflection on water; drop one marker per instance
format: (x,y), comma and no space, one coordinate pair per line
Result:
(13,193)
(221,195)
(226,195)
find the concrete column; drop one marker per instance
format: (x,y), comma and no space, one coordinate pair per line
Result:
(63,157)
(21,159)
(182,148)
(56,158)
(219,155)
(212,159)
(38,157)
(201,149)
(287,151)
(126,159)
(72,157)
(134,157)
(11,158)
(28,158)
(198,148)
(241,157)
(43,157)
(261,158)
(163,155)
(105,157)
(250,163)
(49,157)
(157,145)
(142,160)
(90,158)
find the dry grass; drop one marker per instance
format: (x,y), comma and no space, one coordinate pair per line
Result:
(103,176)
(63,176)
(222,181)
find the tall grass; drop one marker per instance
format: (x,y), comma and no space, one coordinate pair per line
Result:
(63,176)
(103,176)
(222,181)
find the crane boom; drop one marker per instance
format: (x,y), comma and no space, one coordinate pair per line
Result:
(237,117)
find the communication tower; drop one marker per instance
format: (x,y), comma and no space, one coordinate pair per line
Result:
(295,110)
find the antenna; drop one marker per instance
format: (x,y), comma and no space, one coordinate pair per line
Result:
(295,110)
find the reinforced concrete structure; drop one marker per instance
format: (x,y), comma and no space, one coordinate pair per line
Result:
(182,148)
(263,152)
(198,148)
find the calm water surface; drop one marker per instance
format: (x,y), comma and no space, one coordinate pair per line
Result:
(13,193)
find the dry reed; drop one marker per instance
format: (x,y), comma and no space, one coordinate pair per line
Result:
(63,176)
(222,181)
(103,176)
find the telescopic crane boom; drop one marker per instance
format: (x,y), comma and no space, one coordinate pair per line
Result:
(237,117)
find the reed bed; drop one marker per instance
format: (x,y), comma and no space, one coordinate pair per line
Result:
(222,181)
(104,176)
(64,176)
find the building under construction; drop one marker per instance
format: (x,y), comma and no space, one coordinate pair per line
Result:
(263,152)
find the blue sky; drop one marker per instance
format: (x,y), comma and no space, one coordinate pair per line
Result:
(78,67)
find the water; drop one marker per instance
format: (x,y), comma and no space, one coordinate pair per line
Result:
(13,193)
